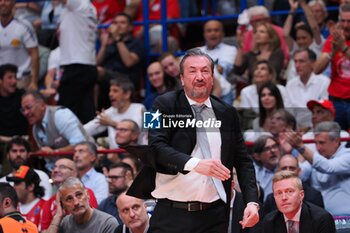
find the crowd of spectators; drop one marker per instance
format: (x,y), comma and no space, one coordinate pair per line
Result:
(288,79)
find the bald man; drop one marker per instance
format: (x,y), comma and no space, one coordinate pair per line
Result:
(289,162)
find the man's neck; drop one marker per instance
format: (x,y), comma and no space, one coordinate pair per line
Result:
(5,20)
(85,217)
(140,229)
(29,199)
(305,79)
(4,93)
(124,107)
(83,171)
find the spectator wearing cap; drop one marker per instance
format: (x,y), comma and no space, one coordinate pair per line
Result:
(306,86)
(321,110)
(11,219)
(328,169)
(29,193)
(17,153)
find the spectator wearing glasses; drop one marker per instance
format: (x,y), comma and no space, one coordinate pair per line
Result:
(55,128)
(62,170)
(266,155)
(294,215)
(290,163)
(120,177)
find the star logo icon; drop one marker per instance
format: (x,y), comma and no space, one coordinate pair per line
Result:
(156,115)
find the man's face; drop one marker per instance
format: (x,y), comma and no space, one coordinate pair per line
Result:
(288,196)
(156,75)
(319,14)
(22,191)
(17,156)
(171,66)
(125,135)
(117,180)
(213,33)
(197,79)
(320,114)
(83,158)
(6,7)
(270,155)
(132,211)
(63,169)
(33,110)
(303,65)
(75,200)
(325,145)
(117,96)
(8,83)
(345,23)
(288,163)
(277,123)
(121,22)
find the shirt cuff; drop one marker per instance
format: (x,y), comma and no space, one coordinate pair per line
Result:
(192,163)
(254,203)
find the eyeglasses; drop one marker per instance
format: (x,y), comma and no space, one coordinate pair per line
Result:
(270,148)
(111,178)
(287,192)
(62,167)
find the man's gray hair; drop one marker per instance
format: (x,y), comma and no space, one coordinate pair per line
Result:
(331,127)
(90,145)
(258,10)
(196,52)
(314,2)
(70,182)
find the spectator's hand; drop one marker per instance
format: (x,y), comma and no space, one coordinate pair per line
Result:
(47,149)
(105,120)
(293,5)
(250,216)
(338,40)
(294,138)
(114,30)
(214,168)
(284,144)
(33,86)
(104,36)
(60,213)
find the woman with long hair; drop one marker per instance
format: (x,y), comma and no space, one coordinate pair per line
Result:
(267,46)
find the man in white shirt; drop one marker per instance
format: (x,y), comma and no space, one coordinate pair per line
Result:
(307,86)
(224,55)
(77,37)
(19,45)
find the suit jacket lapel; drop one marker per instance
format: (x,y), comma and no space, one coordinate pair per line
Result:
(305,220)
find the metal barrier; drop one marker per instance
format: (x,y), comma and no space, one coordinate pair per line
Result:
(106,151)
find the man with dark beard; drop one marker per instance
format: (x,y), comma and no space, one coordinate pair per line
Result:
(120,177)
(17,152)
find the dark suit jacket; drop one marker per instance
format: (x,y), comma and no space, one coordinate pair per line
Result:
(173,146)
(313,219)
(119,229)
(311,195)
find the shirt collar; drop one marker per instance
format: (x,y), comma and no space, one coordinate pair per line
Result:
(192,102)
(296,217)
